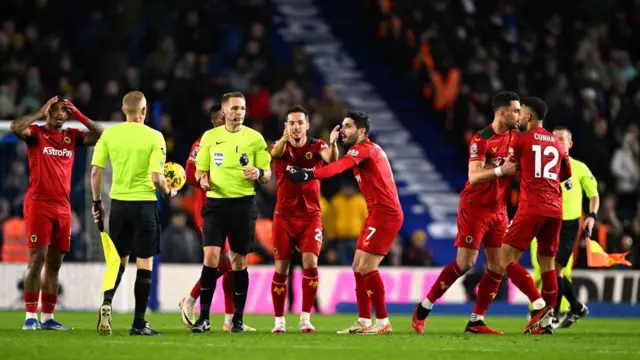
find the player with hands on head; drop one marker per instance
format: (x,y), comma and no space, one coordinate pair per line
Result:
(297,220)
(47,207)
(374,176)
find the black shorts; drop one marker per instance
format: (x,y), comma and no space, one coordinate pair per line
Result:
(134,227)
(235,218)
(568,234)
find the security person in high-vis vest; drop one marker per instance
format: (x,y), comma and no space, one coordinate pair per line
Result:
(581,180)
(232,158)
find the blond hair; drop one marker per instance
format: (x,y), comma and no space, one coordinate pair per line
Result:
(227,96)
(133,102)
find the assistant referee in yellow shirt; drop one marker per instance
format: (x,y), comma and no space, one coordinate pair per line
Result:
(231,159)
(581,180)
(137,153)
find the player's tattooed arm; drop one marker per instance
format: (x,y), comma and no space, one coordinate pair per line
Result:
(20,126)
(92,137)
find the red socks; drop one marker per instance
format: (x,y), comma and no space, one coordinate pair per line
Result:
(522,280)
(487,291)
(447,277)
(309,288)
(195,291)
(279,293)
(49,303)
(364,303)
(227,288)
(31,301)
(550,288)
(375,291)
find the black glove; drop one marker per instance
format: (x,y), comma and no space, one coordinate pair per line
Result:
(299,175)
(98,214)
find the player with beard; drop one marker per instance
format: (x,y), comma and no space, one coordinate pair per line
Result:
(297,221)
(187,304)
(373,172)
(47,207)
(482,213)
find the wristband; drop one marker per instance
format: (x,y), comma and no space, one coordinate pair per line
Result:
(593,215)
(261,173)
(97,202)
(498,171)
(81,117)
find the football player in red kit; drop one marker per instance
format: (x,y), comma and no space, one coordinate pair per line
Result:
(297,219)
(482,213)
(47,207)
(373,172)
(187,303)
(544,164)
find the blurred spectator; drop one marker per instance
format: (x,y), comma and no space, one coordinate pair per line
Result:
(626,169)
(179,242)
(418,253)
(350,210)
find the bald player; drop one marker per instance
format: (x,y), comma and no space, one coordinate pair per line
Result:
(137,154)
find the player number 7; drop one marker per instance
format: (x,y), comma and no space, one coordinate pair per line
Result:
(372,231)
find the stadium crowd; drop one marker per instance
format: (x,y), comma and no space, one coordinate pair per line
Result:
(579,56)
(581,60)
(183,70)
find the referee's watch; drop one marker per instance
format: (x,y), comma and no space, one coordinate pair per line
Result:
(593,215)
(261,173)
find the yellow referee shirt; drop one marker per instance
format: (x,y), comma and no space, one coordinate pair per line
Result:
(226,154)
(135,151)
(581,179)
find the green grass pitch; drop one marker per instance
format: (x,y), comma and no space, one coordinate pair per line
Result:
(594,338)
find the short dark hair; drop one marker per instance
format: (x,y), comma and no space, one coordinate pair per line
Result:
(503,99)
(538,107)
(215,108)
(227,96)
(297,109)
(361,119)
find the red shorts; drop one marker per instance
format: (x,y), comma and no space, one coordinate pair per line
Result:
(289,232)
(47,226)
(525,227)
(480,226)
(378,234)
(226,249)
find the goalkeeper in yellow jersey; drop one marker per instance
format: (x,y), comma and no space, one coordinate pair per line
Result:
(582,179)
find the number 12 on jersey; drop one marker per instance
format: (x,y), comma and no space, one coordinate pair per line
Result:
(545,172)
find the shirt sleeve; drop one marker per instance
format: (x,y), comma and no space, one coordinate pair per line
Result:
(588,182)
(478,149)
(320,146)
(190,168)
(32,138)
(158,155)
(357,154)
(262,156)
(79,136)
(101,151)
(565,168)
(203,160)
(286,154)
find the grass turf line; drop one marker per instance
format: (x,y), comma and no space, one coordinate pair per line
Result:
(594,338)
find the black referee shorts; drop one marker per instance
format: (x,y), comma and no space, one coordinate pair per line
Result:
(134,227)
(235,218)
(568,234)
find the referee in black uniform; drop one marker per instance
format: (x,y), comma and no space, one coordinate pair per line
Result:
(231,159)
(137,154)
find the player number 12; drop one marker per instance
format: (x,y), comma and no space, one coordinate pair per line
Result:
(546,172)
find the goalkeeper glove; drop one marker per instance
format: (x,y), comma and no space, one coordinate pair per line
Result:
(299,175)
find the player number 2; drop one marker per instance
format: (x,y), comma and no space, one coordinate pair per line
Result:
(318,236)
(546,172)
(372,231)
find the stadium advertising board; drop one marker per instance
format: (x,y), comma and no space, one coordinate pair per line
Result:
(81,284)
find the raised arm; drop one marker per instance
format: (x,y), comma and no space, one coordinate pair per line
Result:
(20,126)
(331,154)
(95,129)
(277,149)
